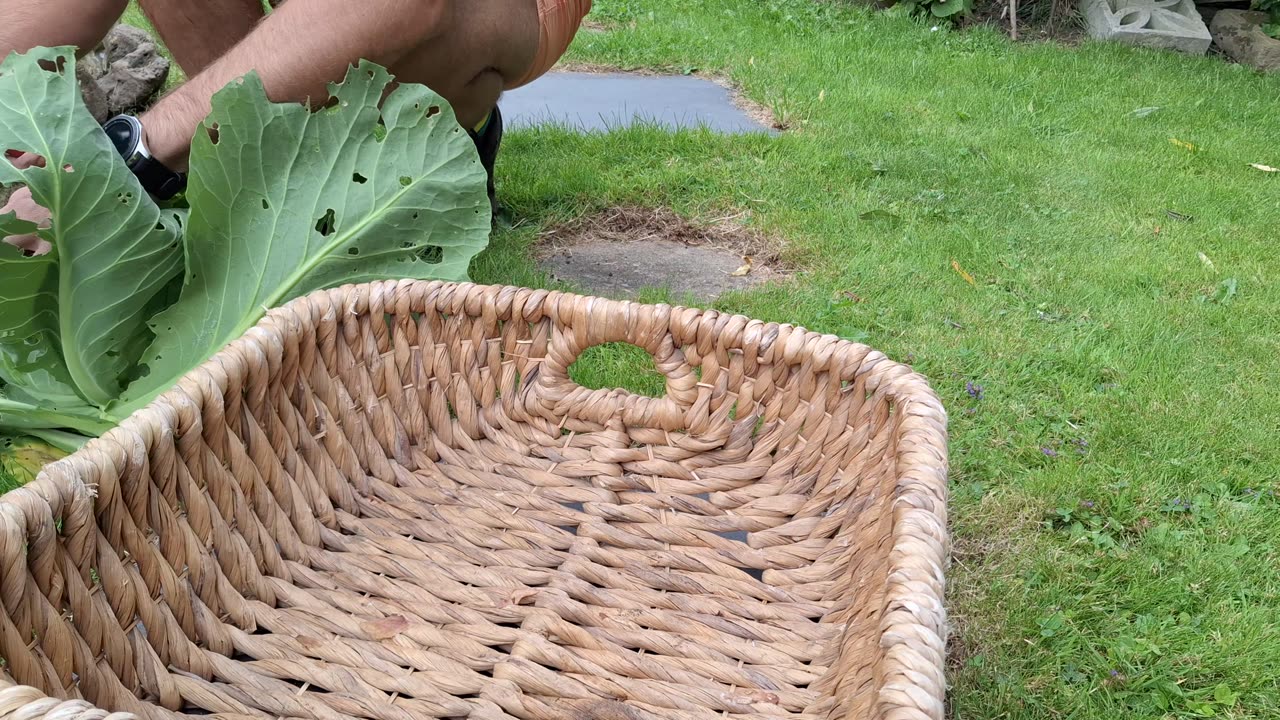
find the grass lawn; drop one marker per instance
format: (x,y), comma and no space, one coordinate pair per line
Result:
(1115,527)
(1094,302)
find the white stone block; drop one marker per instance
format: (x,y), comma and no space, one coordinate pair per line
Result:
(1166,24)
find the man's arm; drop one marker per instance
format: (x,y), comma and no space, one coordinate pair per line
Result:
(297,51)
(25,24)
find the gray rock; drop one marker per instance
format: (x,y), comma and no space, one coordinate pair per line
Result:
(94,63)
(123,40)
(1239,34)
(94,98)
(1164,24)
(136,69)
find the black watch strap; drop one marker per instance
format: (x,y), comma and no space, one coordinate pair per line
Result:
(125,132)
(158,180)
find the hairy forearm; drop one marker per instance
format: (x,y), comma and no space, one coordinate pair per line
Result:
(297,51)
(25,24)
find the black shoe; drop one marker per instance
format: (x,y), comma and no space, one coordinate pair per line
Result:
(487,141)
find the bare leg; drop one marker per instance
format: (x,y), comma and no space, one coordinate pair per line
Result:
(466,50)
(197,33)
(50,23)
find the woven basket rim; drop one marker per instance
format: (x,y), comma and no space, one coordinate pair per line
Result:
(918,555)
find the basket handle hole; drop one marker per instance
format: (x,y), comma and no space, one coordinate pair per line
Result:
(618,365)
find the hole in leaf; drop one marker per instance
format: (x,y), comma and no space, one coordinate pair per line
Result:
(433,111)
(406,244)
(213,133)
(405,180)
(353,251)
(265,205)
(431,254)
(112,353)
(359,179)
(23,159)
(327,223)
(160,228)
(68,168)
(32,340)
(52,66)
(415,216)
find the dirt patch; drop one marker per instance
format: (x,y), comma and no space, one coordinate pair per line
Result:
(754,110)
(1038,20)
(622,251)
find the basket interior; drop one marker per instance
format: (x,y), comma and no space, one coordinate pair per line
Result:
(392,501)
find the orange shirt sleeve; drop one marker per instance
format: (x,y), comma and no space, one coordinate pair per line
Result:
(558,22)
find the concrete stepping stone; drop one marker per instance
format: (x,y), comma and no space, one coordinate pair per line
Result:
(588,102)
(1164,24)
(623,269)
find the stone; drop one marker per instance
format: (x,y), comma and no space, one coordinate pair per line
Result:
(1163,24)
(136,70)
(1239,34)
(603,101)
(623,269)
(123,40)
(94,97)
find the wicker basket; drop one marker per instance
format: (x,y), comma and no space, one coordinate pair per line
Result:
(390,501)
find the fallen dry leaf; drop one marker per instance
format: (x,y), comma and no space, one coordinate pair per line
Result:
(967,277)
(385,628)
(1183,144)
(1207,262)
(1263,168)
(852,296)
(1157,229)
(822,96)
(747,264)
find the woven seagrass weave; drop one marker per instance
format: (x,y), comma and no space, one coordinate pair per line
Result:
(390,501)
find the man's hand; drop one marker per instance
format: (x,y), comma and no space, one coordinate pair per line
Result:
(25,206)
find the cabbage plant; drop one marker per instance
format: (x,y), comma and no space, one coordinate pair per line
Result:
(282,199)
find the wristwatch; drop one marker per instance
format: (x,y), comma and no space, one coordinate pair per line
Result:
(125,132)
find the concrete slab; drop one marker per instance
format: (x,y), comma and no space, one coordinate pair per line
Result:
(1164,24)
(589,102)
(622,269)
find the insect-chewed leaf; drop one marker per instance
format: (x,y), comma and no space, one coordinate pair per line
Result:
(286,201)
(113,251)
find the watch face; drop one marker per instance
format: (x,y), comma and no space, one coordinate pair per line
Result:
(122,136)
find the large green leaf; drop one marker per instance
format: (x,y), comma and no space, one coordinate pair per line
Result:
(285,201)
(30,359)
(948,8)
(35,390)
(114,250)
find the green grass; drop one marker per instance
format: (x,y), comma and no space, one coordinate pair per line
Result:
(1112,507)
